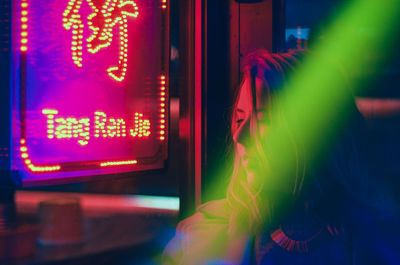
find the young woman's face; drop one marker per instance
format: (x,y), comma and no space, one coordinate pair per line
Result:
(243,115)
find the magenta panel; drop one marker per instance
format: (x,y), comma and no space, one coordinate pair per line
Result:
(91,87)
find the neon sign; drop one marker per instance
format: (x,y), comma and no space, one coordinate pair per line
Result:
(73,118)
(100,126)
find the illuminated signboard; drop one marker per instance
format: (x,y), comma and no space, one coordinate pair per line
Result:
(90,87)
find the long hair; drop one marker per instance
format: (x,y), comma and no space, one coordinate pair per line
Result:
(329,184)
(272,70)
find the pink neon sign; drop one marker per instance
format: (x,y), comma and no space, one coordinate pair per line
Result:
(100,126)
(73,117)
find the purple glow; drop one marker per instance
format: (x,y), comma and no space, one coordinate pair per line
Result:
(77,115)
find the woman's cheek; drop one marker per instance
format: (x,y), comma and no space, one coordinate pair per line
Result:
(240,149)
(263,129)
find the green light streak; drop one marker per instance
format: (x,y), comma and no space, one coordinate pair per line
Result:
(315,102)
(315,105)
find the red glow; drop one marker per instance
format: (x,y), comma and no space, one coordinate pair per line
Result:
(28,202)
(378,107)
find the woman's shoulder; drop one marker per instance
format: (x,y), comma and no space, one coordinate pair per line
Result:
(218,209)
(213,212)
(199,235)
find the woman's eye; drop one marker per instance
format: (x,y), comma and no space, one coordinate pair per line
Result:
(238,121)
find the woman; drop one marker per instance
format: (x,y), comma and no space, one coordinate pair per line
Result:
(286,202)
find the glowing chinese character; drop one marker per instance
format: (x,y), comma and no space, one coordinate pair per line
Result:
(72,19)
(106,15)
